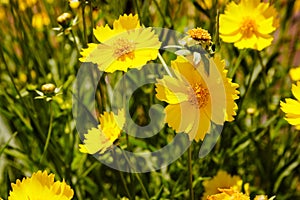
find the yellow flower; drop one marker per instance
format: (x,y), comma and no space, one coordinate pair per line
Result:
(39,20)
(292,107)
(23,4)
(295,73)
(40,186)
(221,180)
(228,194)
(100,139)
(248,24)
(74,3)
(192,102)
(127,45)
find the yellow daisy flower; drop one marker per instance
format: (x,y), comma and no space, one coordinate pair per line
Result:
(248,24)
(192,102)
(100,139)
(228,194)
(295,73)
(40,186)
(127,45)
(292,107)
(221,180)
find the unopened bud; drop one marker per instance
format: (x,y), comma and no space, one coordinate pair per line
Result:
(48,88)
(64,19)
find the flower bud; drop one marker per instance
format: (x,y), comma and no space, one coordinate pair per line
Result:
(48,88)
(64,19)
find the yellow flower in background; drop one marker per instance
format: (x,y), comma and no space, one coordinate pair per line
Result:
(291,107)
(127,45)
(39,20)
(248,24)
(192,102)
(40,186)
(295,73)
(228,194)
(100,139)
(221,180)
(23,4)
(74,3)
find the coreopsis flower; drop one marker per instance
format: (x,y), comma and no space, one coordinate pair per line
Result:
(39,20)
(40,186)
(221,180)
(196,98)
(291,107)
(295,73)
(100,139)
(127,45)
(228,194)
(248,24)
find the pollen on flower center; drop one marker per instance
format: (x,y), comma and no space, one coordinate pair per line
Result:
(199,95)
(124,48)
(248,28)
(199,34)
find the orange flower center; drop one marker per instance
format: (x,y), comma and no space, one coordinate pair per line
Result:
(248,28)
(199,34)
(124,49)
(199,95)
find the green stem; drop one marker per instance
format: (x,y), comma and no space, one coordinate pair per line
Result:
(138,10)
(49,133)
(246,90)
(237,63)
(84,25)
(164,64)
(125,185)
(190,173)
(263,69)
(76,45)
(137,177)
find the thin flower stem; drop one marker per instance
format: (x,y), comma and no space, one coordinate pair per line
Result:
(246,91)
(237,63)
(263,69)
(76,45)
(137,177)
(125,184)
(137,8)
(164,64)
(91,16)
(190,173)
(142,185)
(84,25)
(48,134)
